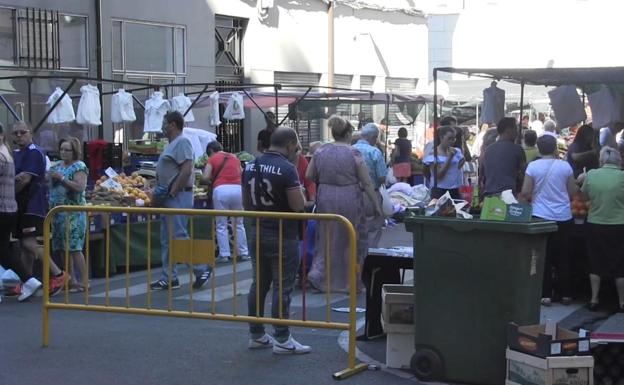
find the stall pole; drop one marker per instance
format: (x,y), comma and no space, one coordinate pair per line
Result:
(196,100)
(29,81)
(254,102)
(100,60)
(385,145)
(296,103)
(435,127)
(65,91)
(519,137)
(138,101)
(275,87)
(583,90)
(9,107)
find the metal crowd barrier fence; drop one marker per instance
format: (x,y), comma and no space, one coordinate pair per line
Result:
(197,251)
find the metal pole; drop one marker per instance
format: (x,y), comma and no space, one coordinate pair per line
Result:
(100,60)
(196,100)
(330,43)
(583,90)
(519,137)
(29,81)
(296,103)
(435,127)
(10,108)
(275,87)
(385,147)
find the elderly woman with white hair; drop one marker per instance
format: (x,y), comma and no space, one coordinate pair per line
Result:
(603,188)
(549,185)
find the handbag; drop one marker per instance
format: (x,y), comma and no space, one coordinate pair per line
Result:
(209,189)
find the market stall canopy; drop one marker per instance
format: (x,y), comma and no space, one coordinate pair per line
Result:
(268,99)
(581,77)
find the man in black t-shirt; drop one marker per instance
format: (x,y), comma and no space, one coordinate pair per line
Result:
(264,136)
(271,183)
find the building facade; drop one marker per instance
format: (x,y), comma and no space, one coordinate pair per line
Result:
(377,45)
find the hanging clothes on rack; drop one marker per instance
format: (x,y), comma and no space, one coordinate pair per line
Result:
(493,104)
(181,103)
(567,105)
(156,107)
(122,107)
(64,111)
(89,108)
(214,119)
(234,109)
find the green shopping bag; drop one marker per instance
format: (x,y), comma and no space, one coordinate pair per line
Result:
(494,209)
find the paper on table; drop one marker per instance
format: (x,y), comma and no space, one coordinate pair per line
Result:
(110,172)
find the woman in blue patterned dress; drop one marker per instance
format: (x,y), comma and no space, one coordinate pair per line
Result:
(68,179)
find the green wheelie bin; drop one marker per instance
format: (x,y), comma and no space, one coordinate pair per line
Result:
(471,278)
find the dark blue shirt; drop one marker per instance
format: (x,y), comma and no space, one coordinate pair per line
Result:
(267,186)
(32,198)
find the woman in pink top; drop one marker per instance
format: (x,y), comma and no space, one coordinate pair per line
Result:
(224,171)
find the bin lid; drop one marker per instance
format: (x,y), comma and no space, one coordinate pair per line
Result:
(534,227)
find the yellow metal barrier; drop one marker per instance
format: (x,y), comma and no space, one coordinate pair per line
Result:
(200,251)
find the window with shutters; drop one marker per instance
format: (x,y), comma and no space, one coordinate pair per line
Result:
(344,110)
(308,125)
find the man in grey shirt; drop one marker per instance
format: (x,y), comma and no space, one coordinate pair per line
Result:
(174,177)
(504,161)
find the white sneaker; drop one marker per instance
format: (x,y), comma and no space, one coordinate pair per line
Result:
(29,288)
(291,346)
(266,341)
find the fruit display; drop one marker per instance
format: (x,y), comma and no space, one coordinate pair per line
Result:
(580,207)
(128,190)
(609,364)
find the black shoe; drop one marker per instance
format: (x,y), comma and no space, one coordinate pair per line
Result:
(161,284)
(592,306)
(201,280)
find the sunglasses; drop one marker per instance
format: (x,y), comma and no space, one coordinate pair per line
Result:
(20,132)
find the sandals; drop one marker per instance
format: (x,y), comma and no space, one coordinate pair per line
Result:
(546,302)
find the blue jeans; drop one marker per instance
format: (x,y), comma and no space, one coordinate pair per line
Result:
(269,275)
(179,227)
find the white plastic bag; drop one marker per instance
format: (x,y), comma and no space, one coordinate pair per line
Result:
(235,109)
(390,178)
(387,207)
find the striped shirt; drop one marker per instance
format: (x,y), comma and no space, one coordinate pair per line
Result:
(7,185)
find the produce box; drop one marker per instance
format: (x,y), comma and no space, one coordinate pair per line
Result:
(524,369)
(609,363)
(533,340)
(146,147)
(398,308)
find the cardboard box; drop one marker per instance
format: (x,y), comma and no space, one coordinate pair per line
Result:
(398,304)
(534,340)
(399,350)
(524,369)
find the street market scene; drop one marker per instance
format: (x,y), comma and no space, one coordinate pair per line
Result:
(311,191)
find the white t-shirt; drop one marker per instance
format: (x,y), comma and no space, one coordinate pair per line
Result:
(552,201)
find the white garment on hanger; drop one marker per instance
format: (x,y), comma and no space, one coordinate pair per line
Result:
(155,109)
(199,139)
(567,105)
(64,111)
(493,105)
(235,109)
(181,103)
(213,109)
(89,108)
(122,107)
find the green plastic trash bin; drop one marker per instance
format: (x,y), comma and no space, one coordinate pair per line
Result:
(471,278)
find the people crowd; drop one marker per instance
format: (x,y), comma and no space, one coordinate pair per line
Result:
(346,177)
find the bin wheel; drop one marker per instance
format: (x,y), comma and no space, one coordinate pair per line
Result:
(426,364)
